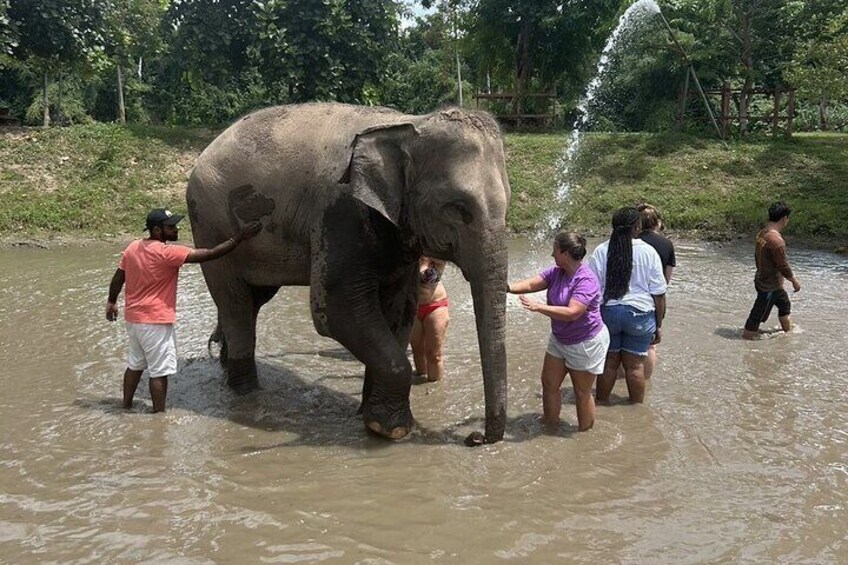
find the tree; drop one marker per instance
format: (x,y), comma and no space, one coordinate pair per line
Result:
(131,30)
(55,36)
(545,39)
(750,42)
(325,49)
(820,66)
(206,73)
(420,74)
(8,34)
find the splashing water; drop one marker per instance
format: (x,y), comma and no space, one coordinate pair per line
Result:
(635,14)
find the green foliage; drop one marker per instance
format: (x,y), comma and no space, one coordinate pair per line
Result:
(639,86)
(56,32)
(92,179)
(68,102)
(8,34)
(208,61)
(700,185)
(324,49)
(554,42)
(421,74)
(531,162)
(100,178)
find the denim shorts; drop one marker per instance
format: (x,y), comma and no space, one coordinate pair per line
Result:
(630,330)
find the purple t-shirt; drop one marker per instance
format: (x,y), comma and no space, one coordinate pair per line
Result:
(583,287)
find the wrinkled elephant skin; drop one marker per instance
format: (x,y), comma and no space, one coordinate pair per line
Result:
(350,197)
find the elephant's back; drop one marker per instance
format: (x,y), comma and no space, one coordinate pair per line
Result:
(293,154)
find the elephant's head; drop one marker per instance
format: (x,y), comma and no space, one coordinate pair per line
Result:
(441,179)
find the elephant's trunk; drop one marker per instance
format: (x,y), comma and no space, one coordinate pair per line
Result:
(488,287)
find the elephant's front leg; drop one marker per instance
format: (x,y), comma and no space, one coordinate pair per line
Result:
(398,303)
(356,319)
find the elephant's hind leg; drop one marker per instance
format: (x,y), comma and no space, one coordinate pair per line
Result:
(238,307)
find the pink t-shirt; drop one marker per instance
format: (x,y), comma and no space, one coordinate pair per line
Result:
(151,270)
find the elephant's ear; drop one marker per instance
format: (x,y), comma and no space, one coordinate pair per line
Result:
(376,174)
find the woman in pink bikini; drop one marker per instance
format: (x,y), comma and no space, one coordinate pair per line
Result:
(431,321)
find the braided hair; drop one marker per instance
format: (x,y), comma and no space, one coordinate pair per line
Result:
(620,254)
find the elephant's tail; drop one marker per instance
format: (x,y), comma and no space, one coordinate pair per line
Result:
(218,337)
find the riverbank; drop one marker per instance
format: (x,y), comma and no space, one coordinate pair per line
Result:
(98,181)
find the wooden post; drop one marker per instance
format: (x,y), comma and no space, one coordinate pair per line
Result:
(790,112)
(725,109)
(684,98)
(775,117)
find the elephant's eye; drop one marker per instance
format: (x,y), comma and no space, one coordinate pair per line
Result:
(458,211)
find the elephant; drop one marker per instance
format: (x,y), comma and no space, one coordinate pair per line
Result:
(350,197)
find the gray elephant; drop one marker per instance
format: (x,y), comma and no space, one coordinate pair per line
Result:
(350,197)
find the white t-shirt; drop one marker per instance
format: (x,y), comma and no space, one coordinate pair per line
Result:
(646,278)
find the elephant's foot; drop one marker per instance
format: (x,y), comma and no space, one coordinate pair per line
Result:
(392,421)
(241,375)
(495,426)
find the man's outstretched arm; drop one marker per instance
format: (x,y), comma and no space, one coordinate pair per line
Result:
(201,255)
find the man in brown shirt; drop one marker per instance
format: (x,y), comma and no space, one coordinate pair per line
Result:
(772,269)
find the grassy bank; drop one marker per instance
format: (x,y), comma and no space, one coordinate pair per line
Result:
(701,185)
(101,179)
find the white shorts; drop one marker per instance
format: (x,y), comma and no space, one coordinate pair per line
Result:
(589,355)
(152,347)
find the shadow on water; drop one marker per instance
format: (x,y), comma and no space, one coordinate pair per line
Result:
(340,353)
(307,411)
(734,333)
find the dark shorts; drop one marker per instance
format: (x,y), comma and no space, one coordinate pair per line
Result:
(762,308)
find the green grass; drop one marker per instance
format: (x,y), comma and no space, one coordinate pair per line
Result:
(101,179)
(703,186)
(94,179)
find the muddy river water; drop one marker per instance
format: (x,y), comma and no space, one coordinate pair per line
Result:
(739,454)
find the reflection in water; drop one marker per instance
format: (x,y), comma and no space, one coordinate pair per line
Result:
(739,454)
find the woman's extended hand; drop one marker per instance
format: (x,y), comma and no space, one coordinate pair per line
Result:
(528,304)
(657,337)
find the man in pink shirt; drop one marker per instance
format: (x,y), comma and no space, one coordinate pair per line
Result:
(150,269)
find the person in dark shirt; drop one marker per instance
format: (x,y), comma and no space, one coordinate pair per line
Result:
(651,234)
(772,270)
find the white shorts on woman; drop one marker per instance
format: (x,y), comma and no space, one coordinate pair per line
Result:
(152,347)
(589,355)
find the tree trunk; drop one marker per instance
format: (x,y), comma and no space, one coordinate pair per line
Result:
(45,102)
(823,103)
(60,115)
(523,64)
(122,111)
(747,56)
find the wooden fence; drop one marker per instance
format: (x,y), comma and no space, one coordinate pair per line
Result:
(515,103)
(734,113)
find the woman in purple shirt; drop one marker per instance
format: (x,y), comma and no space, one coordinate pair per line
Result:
(579,338)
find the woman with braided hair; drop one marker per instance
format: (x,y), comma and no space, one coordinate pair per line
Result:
(633,305)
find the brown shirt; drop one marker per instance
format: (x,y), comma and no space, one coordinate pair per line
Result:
(772,264)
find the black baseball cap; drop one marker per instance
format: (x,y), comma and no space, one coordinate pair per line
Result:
(162,217)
